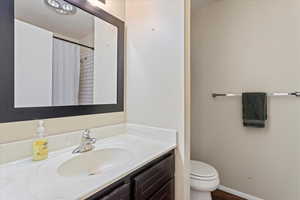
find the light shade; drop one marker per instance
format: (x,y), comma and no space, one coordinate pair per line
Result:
(61,7)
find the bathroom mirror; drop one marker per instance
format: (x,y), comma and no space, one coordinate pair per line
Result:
(68,59)
(64,56)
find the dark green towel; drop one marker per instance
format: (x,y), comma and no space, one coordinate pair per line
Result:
(254,109)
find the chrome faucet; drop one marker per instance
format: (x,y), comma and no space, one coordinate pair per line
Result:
(87,143)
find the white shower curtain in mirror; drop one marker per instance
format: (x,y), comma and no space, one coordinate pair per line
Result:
(66,73)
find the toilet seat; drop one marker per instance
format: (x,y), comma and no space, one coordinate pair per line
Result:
(202,171)
(204,178)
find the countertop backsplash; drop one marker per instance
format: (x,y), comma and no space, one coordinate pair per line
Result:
(10,152)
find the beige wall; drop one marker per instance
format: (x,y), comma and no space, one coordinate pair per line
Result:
(187,98)
(249,45)
(24,130)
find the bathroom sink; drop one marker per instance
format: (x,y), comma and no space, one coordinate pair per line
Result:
(94,162)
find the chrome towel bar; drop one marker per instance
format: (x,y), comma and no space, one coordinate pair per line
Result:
(296,94)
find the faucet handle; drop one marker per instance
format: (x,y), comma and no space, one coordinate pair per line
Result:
(86,133)
(87,137)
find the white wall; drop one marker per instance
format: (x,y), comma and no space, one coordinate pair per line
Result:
(248,45)
(33,65)
(106,65)
(155,62)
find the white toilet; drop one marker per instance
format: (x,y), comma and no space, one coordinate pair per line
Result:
(204,180)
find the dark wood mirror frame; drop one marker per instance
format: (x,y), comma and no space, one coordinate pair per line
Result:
(8,113)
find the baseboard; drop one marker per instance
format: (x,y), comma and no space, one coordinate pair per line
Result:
(238,193)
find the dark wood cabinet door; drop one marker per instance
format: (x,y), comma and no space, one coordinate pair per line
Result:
(153,179)
(166,192)
(121,193)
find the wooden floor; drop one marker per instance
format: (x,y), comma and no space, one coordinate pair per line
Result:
(220,195)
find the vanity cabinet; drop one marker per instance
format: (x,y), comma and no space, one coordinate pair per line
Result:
(166,192)
(154,181)
(121,193)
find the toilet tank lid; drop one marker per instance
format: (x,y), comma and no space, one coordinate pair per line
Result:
(201,169)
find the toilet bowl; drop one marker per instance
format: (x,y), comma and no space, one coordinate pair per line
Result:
(204,180)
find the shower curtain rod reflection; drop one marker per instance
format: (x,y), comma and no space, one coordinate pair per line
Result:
(73,42)
(214,95)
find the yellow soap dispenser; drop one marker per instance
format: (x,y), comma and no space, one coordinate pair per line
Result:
(40,145)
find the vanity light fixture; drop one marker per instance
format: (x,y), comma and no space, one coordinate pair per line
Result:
(61,7)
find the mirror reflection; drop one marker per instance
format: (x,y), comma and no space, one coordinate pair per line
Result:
(64,56)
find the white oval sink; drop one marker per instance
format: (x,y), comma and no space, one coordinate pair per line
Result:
(94,162)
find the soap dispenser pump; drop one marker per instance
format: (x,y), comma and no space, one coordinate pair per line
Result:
(40,145)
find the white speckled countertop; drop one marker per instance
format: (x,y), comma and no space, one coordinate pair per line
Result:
(28,180)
